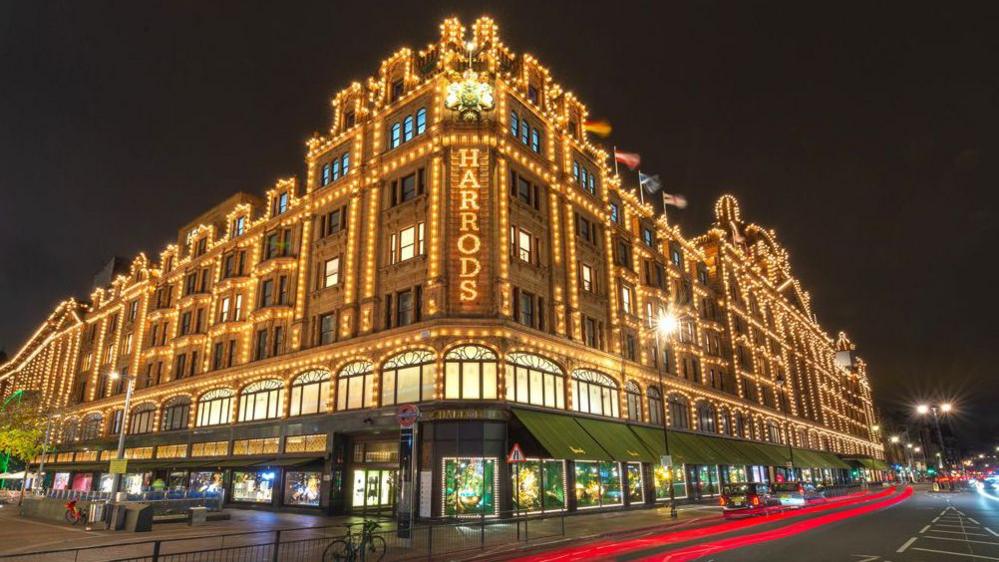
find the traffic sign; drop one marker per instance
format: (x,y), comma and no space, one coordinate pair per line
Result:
(407,415)
(516,455)
(118,466)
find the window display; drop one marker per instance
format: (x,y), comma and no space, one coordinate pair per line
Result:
(206,482)
(737,474)
(707,480)
(661,478)
(469,486)
(177,481)
(83,482)
(636,484)
(373,488)
(254,487)
(136,482)
(61,481)
(598,484)
(540,485)
(106,481)
(302,488)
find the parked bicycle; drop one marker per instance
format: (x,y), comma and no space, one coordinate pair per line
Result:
(74,514)
(364,546)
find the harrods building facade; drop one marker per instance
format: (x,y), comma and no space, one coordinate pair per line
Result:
(460,244)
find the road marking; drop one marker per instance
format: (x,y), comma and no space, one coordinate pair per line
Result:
(906,545)
(961,540)
(955,553)
(950,525)
(868,557)
(923,530)
(935,519)
(973,521)
(961,533)
(991,531)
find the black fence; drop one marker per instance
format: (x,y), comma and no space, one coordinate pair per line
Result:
(309,544)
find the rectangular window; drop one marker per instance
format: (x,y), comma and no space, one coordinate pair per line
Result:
(260,352)
(327,175)
(224,309)
(240,226)
(526,309)
(615,212)
(179,367)
(237,312)
(395,135)
(266,293)
(405,308)
(217,355)
(327,329)
(331,272)
(586,277)
(408,244)
(185,323)
(133,307)
(647,237)
(282,203)
(278,341)
(524,250)
(514,124)
(282,290)
(128,343)
(626,304)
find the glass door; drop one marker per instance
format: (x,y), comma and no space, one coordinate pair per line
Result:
(374,489)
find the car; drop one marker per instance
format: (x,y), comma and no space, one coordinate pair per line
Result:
(748,499)
(797,494)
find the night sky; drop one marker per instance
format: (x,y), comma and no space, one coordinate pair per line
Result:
(866,136)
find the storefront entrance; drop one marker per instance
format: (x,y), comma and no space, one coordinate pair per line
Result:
(373,490)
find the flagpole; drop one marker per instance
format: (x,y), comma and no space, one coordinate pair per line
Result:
(641,188)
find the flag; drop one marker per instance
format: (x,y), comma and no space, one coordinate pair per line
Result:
(651,184)
(599,127)
(678,201)
(629,159)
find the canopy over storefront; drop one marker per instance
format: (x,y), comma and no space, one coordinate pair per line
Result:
(561,436)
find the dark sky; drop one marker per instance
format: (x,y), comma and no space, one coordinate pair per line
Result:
(866,136)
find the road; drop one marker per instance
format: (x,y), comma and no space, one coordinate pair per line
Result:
(907,525)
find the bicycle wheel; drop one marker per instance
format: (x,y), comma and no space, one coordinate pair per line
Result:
(70,518)
(375,549)
(338,551)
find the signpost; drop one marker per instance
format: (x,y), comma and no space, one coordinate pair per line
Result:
(516,457)
(406,415)
(118,466)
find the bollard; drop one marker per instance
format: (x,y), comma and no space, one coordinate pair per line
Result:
(277,546)
(156,551)
(482,531)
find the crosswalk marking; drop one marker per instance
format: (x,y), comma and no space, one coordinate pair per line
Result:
(961,533)
(955,553)
(923,530)
(961,540)
(906,545)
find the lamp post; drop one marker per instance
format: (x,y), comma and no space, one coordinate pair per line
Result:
(946,407)
(666,326)
(782,384)
(130,386)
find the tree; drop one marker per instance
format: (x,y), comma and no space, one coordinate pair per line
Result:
(22,426)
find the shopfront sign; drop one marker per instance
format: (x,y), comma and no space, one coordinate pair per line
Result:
(469,205)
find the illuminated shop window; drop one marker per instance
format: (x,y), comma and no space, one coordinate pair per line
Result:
(470,373)
(594,393)
(598,484)
(661,478)
(215,407)
(309,393)
(315,443)
(261,400)
(302,488)
(539,485)
(636,483)
(408,377)
(534,380)
(355,386)
(470,486)
(253,487)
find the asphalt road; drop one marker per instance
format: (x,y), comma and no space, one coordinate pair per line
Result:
(927,527)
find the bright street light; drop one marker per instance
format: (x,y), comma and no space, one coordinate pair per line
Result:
(667,324)
(917,449)
(909,445)
(945,407)
(894,438)
(923,409)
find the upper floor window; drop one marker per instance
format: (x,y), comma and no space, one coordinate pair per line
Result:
(355,386)
(408,377)
(176,413)
(398,88)
(622,253)
(407,243)
(335,169)
(615,212)
(584,177)
(331,272)
(215,407)
(407,188)
(333,222)
(201,246)
(261,400)
(586,229)
(90,428)
(309,393)
(327,328)
(523,190)
(531,379)
(676,255)
(266,292)
(133,308)
(594,393)
(141,419)
(633,401)
(586,277)
(627,305)
(655,405)
(702,274)
(470,373)
(239,226)
(706,418)
(280,203)
(647,237)
(277,244)
(523,244)
(679,412)
(407,128)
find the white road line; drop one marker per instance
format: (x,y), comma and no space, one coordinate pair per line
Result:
(961,540)
(955,553)
(906,545)
(923,530)
(961,533)
(950,525)
(991,531)
(973,521)
(935,519)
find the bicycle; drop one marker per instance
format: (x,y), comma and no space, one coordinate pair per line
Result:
(352,547)
(74,514)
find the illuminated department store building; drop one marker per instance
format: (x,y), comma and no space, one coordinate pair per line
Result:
(459,243)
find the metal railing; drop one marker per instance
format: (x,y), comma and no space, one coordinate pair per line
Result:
(307,544)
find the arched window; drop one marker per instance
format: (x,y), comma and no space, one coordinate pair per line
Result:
(706,418)
(261,400)
(655,405)
(309,393)
(176,413)
(355,386)
(773,432)
(409,377)
(140,419)
(215,407)
(534,380)
(421,121)
(470,373)
(114,428)
(740,424)
(407,128)
(679,411)
(91,427)
(70,428)
(633,399)
(395,136)
(724,421)
(594,393)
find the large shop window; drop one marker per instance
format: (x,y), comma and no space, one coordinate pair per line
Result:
(470,373)
(540,485)
(215,407)
(309,393)
(302,488)
(176,413)
(636,483)
(253,487)
(469,487)
(598,484)
(534,380)
(594,393)
(261,400)
(661,479)
(355,386)
(408,377)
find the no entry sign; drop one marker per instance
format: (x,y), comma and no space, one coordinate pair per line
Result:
(406,415)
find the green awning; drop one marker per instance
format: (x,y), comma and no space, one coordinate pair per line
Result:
(753,455)
(774,456)
(617,440)
(803,458)
(561,436)
(731,450)
(698,448)
(653,440)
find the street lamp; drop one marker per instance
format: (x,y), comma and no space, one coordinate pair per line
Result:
(666,325)
(116,477)
(924,409)
(782,382)
(894,439)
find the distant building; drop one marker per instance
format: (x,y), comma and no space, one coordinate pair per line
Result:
(460,244)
